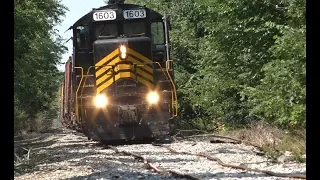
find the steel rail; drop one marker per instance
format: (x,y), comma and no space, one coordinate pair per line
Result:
(151,166)
(289,175)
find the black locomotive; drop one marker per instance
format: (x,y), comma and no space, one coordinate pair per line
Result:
(119,82)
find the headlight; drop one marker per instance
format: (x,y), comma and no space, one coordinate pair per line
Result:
(153,97)
(123,52)
(123,55)
(100,101)
(123,49)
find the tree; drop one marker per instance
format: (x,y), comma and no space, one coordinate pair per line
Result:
(37,51)
(281,95)
(237,61)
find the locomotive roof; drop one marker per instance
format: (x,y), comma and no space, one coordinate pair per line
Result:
(87,17)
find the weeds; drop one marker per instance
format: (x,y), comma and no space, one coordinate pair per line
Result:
(273,140)
(295,142)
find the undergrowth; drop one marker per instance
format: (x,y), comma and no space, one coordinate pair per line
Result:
(273,141)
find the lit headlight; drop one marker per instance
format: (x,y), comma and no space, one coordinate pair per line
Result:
(123,55)
(123,52)
(153,97)
(100,101)
(123,49)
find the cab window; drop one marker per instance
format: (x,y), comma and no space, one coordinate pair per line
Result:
(157,31)
(82,36)
(134,28)
(106,30)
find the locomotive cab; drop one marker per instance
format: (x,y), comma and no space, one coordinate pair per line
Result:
(121,74)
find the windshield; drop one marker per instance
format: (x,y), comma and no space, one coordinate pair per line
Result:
(130,29)
(106,30)
(134,28)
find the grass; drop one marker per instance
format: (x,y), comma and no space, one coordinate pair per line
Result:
(295,142)
(272,140)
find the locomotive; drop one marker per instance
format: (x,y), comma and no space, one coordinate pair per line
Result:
(119,82)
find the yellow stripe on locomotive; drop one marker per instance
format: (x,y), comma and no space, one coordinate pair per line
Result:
(111,65)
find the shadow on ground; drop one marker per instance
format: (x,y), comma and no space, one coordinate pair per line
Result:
(80,152)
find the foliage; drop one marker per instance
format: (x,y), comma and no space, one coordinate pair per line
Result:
(37,51)
(280,96)
(237,61)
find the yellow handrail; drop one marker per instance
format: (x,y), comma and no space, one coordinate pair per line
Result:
(84,82)
(168,76)
(77,113)
(174,90)
(161,69)
(174,93)
(87,76)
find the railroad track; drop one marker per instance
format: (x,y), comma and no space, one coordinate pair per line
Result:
(68,155)
(151,166)
(148,162)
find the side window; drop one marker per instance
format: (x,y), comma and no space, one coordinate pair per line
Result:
(82,36)
(157,31)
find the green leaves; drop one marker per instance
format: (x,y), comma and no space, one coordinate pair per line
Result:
(37,51)
(281,94)
(238,61)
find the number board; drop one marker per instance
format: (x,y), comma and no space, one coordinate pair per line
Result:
(134,13)
(104,15)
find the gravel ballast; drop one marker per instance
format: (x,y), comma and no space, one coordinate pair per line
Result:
(69,155)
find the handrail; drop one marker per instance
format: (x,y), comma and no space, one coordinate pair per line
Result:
(87,76)
(77,113)
(161,69)
(172,96)
(174,90)
(174,93)
(166,73)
